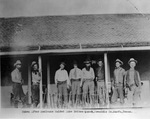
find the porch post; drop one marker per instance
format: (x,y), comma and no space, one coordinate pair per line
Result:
(29,82)
(0,80)
(41,92)
(106,78)
(48,83)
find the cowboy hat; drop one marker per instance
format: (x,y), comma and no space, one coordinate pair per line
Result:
(132,60)
(33,63)
(118,60)
(17,62)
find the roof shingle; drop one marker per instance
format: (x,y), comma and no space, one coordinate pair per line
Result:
(63,32)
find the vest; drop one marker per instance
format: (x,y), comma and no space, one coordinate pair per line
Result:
(120,76)
(135,78)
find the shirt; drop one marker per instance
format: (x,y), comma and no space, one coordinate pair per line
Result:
(100,73)
(131,77)
(61,75)
(36,77)
(75,73)
(119,74)
(88,74)
(16,76)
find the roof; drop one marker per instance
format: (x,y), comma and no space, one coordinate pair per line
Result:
(73,32)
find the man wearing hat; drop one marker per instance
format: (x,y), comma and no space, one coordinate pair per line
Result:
(17,84)
(87,81)
(75,78)
(133,82)
(100,79)
(36,77)
(62,82)
(118,82)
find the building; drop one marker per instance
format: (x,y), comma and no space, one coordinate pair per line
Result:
(51,39)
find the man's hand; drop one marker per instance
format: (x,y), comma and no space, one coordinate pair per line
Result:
(96,79)
(113,87)
(68,86)
(40,71)
(127,86)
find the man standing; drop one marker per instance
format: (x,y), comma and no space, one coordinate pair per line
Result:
(133,82)
(62,82)
(118,82)
(75,78)
(87,81)
(36,77)
(100,82)
(17,84)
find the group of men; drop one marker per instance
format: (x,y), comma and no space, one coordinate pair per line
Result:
(126,81)
(76,79)
(18,94)
(82,83)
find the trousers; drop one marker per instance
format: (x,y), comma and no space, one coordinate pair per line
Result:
(118,92)
(18,93)
(88,86)
(35,94)
(133,95)
(75,90)
(62,92)
(101,91)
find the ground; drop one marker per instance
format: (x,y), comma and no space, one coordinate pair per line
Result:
(144,102)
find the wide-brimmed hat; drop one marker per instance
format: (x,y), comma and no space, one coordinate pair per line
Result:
(33,63)
(17,62)
(87,61)
(63,63)
(118,60)
(132,60)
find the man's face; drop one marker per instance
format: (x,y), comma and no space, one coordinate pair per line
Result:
(87,64)
(118,64)
(132,64)
(62,66)
(18,66)
(100,63)
(35,67)
(75,66)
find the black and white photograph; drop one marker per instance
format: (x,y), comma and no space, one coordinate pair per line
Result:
(75,58)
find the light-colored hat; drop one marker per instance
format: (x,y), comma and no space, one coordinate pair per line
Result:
(17,62)
(132,60)
(118,60)
(33,63)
